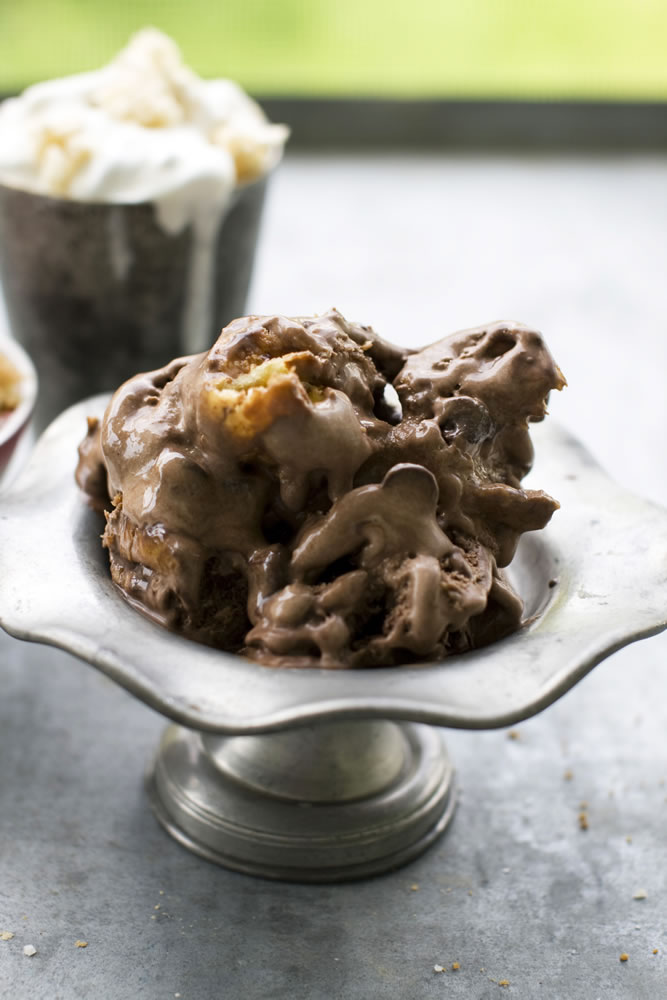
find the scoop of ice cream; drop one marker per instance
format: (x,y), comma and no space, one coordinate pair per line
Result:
(143,128)
(268,496)
(212,458)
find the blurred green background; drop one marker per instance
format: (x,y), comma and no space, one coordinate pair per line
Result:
(417,48)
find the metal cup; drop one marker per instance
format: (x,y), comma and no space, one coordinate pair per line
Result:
(97,292)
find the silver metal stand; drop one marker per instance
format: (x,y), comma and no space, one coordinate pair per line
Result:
(322,803)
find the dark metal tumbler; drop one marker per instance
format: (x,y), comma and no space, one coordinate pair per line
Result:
(98,292)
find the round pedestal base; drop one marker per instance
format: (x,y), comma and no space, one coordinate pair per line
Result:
(324,803)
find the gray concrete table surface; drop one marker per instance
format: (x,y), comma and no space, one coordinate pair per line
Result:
(526,901)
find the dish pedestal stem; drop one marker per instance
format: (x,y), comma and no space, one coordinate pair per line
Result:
(322,803)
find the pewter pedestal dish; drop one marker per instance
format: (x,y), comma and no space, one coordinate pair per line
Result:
(318,775)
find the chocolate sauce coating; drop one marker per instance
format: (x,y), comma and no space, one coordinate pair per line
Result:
(269,498)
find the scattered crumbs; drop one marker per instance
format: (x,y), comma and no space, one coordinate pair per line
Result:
(438,968)
(514,734)
(623,957)
(573,951)
(414,887)
(640,894)
(29,950)
(503,982)
(162,894)
(157,906)
(628,840)
(482,970)
(177,994)
(80,944)
(456,966)
(6,935)
(638,927)
(655,951)
(568,775)
(153,917)
(583,821)
(506,871)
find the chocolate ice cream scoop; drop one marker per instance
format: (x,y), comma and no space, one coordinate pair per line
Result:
(269,498)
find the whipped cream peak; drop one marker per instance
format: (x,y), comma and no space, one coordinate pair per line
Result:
(147,83)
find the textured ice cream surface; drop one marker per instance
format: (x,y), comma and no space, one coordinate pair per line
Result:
(268,498)
(144,128)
